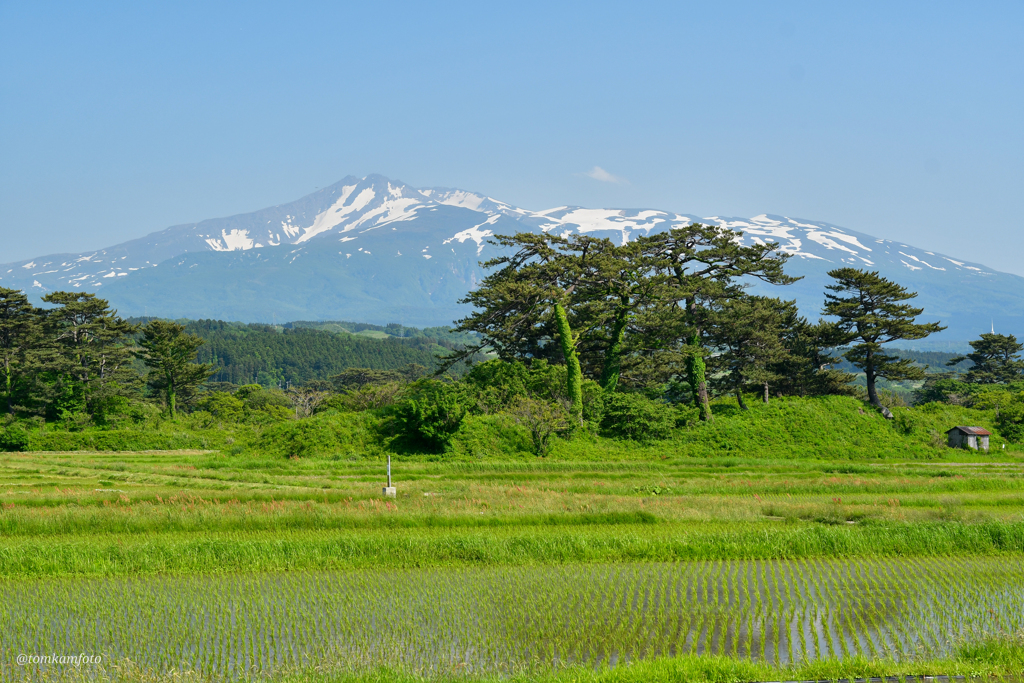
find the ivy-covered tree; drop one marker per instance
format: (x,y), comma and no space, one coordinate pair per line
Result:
(703,263)
(170,353)
(618,284)
(871,311)
(996,360)
(527,302)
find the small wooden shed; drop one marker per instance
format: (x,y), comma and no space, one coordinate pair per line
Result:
(969,437)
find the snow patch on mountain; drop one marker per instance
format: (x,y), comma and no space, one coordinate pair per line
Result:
(232,241)
(476,234)
(336,213)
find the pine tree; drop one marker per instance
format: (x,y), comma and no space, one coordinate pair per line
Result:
(807,368)
(996,360)
(170,352)
(749,333)
(873,314)
(531,300)
(20,336)
(92,351)
(701,263)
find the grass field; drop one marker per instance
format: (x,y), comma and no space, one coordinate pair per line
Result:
(233,567)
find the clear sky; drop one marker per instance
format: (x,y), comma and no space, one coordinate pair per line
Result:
(899,119)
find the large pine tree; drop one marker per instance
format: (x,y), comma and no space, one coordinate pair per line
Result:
(749,333)
(20,337)
(700,265)
(872,312)
(90,363)
(170,353)
(996,360)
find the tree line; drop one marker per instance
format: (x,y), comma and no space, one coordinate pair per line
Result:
(671,314)
(75,356)
(78,357)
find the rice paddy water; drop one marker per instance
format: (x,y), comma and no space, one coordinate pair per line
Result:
(508,620)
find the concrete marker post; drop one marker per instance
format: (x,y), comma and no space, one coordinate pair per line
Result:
(389,490)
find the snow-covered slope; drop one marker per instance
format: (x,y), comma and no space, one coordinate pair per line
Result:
(378,250)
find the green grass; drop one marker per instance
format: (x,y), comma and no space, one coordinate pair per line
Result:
(445,546)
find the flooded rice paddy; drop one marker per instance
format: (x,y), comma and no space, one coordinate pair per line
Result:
(511,619)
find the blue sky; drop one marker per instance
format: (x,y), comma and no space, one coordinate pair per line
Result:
(902,120)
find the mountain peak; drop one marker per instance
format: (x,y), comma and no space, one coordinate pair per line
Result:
(378,249)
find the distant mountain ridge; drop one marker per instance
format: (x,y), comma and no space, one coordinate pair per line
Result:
(378,250)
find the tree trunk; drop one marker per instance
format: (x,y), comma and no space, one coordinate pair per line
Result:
(739,399)
(613,358)
(766,393)
(171,394)
(7,375)
(574,377)
(698,381)
(869,378)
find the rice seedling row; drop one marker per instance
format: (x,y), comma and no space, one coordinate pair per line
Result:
(509,620)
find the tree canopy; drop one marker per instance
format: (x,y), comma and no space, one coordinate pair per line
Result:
(873,312)
(996,360)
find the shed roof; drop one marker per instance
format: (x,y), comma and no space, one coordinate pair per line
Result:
(971,431)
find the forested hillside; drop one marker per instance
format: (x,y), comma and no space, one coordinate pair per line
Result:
(931,361)
(296,353)
(444,335)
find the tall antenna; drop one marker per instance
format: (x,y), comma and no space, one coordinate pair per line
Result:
(993,325)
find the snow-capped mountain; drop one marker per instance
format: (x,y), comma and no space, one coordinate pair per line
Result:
(378,250)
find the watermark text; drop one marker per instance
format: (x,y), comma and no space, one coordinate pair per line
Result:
(72,660)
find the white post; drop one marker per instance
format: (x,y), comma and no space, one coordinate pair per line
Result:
(389,490)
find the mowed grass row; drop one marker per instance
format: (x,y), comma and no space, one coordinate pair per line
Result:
(125,494)
(517,620)
(111,555)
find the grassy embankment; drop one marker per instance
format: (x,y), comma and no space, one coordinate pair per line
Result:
(829,428)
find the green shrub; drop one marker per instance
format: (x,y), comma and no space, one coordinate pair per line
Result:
(547,381)
(435,413)
(542,420)
(1011,421)
(593,401)
(905,422)
(636,417)
(117,440)
(223,405)
(250,403)
(13,438)
(498,384)
(491,436)
(324,435)
(367,397)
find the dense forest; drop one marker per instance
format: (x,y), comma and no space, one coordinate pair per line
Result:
(297,353)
